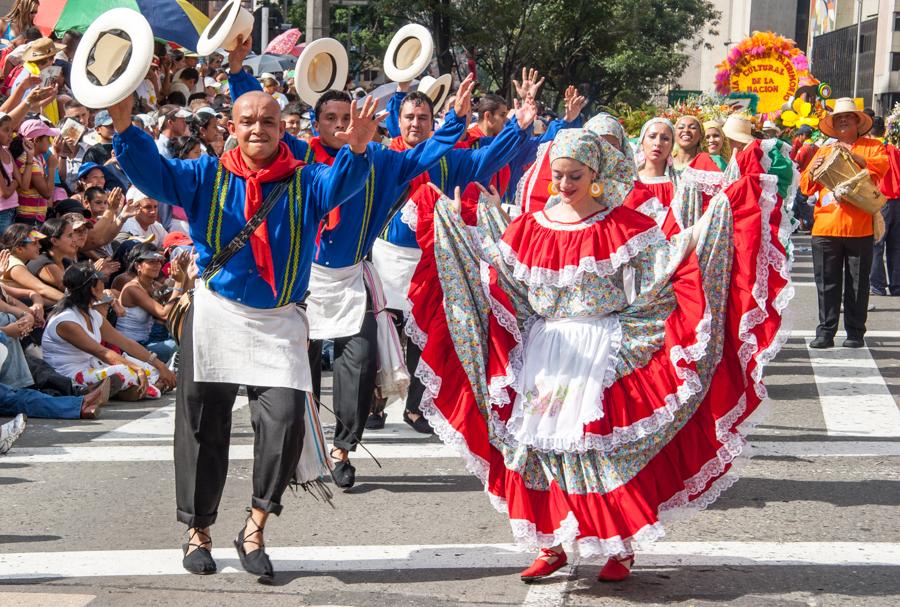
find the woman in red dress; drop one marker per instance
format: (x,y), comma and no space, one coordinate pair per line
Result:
(595,375)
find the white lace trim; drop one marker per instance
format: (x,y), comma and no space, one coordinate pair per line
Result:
(412,330)
(658,179)
(708,182)
(541,218)
(654,209)
(571,275)
(443,429)
(409,215)
(527,537)
(497,385)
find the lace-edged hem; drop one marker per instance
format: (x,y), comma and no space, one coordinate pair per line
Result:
(708,182)
(654,209)
(571,275)
(409,215)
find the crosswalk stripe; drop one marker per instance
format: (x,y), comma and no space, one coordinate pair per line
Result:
(431,450)
(854,398)
(112,563)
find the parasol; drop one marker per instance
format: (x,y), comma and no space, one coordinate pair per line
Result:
(284,43)
(171,20)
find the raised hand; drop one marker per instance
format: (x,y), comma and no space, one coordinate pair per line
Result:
(491,195)
(237,56)
(526,112)
(121,113)
(4,261)
(529,86)
(574,103)
(463,104)
(363,124)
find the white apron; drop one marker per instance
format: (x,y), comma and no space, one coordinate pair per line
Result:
(237,344)
(336,304)
(395,266)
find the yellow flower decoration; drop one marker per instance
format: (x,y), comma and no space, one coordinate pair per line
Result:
(801,114)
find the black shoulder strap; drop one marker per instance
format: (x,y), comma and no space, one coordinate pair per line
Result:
(229,251)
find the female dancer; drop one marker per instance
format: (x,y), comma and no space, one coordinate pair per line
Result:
(593,374)
(717,144)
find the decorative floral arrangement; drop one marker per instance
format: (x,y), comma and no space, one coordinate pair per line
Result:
(759,45)
(892,126)
(801,113)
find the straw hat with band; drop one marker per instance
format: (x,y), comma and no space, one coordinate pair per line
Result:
(40,49)
(845,105)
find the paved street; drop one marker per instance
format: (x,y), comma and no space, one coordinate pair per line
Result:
(88,510)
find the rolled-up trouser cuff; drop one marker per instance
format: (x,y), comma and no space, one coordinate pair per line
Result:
(267,506)
(200,521)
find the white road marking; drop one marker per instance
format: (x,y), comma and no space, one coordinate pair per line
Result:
(114,563)
(163,453)
(806,333)
(552,591)
(855,400)
(155,426)
(45,599)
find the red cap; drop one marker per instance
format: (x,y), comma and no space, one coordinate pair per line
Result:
(177,239)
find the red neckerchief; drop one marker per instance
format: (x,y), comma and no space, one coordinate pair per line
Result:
(283,165)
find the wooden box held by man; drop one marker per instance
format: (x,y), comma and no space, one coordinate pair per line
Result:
(845,175)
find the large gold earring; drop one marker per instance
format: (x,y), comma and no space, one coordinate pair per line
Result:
(552,189)
(596,189)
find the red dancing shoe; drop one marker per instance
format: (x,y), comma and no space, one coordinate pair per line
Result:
(616,569)
(541,568)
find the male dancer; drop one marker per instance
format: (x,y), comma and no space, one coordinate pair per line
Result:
(243,327)
(341,287)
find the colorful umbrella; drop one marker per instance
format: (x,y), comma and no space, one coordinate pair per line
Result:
(284,43)
(171,20)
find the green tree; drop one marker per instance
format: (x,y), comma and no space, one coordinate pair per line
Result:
(613,50)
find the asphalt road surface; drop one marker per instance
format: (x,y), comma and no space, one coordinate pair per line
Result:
(88,510)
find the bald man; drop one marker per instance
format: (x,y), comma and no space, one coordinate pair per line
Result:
(243,326)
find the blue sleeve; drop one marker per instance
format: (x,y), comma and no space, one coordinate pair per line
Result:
(298,147)
(175,182)
(556,126)
(416,161)
(331,186)
(392,122)
(241,83)
(466,166)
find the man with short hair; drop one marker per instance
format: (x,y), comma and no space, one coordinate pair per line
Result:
(174,125)
(145,223)
(293,116)
(343,289)
(245,326)
(842,234)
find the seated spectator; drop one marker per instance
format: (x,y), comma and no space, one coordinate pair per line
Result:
(205,127)
(173,125)
(145,223)
(9,176)
(90,175)
(36,184)
(58,250)
(22,241)
(95,200)
(186,148)
(11,430)
(142,300)
(270,85)
(101,152)
(125,254)
(74,337)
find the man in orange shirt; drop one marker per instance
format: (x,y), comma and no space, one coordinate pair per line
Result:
(842,234)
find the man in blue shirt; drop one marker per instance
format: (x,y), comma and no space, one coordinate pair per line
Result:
(246,326)
(341,290)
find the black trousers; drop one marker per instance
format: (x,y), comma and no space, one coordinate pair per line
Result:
(355,368)
(841,266)
(413,354)
(202,437)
